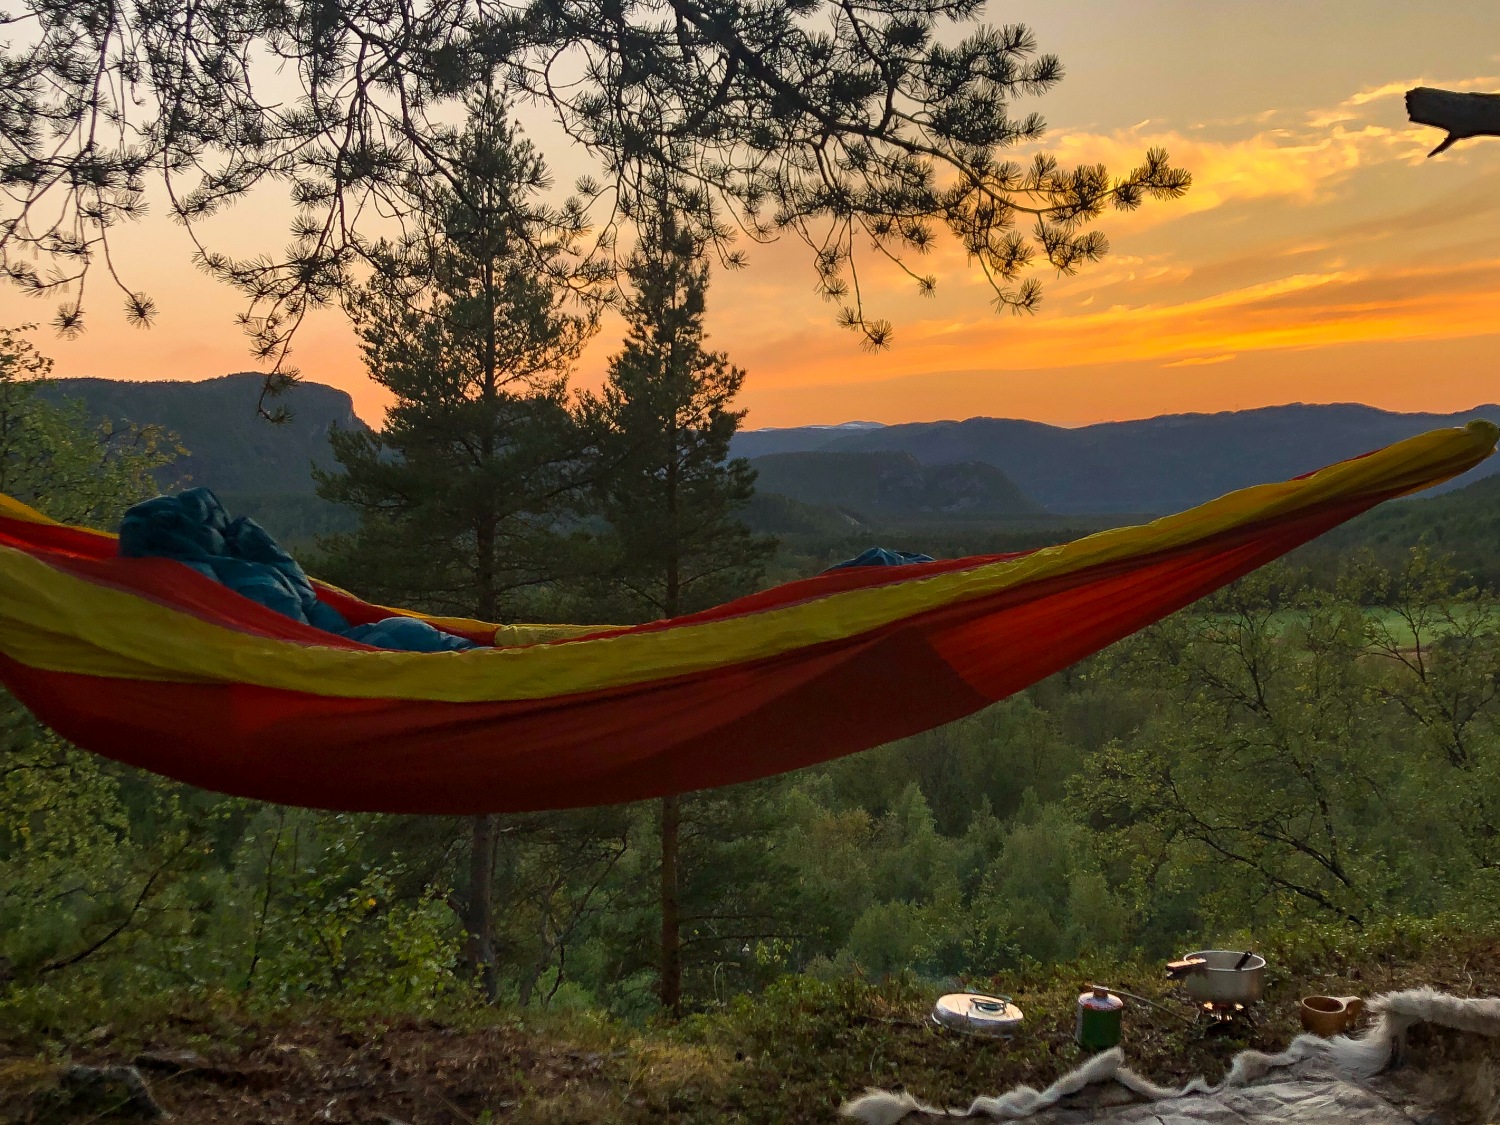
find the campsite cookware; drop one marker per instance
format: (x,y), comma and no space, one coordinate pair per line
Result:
(1100,1016)
(1221,976)
(1330,1015)
(977,1014)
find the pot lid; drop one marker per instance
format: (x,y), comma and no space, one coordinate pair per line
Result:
(977,1014)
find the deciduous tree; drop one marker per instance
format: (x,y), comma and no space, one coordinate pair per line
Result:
(75,880)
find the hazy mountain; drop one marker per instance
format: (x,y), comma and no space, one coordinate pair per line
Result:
(796,439)
(1152,465)
(886,484)
(230,447)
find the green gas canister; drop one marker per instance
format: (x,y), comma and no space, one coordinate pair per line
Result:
(1100,1014)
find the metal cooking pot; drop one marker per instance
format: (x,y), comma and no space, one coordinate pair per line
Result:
(1217,980)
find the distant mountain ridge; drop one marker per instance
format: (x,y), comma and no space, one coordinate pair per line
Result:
(230,447)
(1151,465)
(882,483)
(796,439)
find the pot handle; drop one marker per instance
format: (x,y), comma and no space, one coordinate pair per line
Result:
(1179,969)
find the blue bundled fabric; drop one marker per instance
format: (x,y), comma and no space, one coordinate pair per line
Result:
(879,556)
(407,634)
(193,528)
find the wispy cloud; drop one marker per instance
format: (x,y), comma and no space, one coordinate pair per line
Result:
(1350,108)
(1274,163)
(1304,311)
(1302,162)
(1307,310)
(1203,360)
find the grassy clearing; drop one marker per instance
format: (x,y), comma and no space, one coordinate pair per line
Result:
(1392,624)
(792,1054)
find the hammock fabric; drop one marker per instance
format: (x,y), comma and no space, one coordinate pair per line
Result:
(153,664)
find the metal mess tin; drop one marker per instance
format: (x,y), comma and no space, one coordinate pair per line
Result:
(976,1014)
(1221,976)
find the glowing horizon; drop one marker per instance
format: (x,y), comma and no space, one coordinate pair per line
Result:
(1319,257)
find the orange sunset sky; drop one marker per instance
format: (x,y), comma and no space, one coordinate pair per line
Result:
(1319,257)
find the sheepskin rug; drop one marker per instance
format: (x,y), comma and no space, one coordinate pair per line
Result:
(1429,1057)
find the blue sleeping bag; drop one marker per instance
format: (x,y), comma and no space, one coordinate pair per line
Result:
(879,556)
(194,529)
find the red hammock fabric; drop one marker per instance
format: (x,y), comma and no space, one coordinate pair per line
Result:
(151,664)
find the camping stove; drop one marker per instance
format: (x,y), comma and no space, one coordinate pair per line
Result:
(1226,1017)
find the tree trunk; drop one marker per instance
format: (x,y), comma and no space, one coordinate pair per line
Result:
(671,807)
(671,936)
(480,923)
(1463,115)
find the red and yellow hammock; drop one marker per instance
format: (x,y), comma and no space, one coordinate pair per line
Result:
(148,662)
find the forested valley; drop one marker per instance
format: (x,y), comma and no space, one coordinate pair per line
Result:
(1299,750)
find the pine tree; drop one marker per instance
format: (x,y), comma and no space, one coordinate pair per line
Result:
(861,130)
(670,494)
(465,323)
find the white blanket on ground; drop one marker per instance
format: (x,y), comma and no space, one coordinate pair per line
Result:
(1313,1081)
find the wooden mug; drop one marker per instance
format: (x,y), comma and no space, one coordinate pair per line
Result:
(1330,1015)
